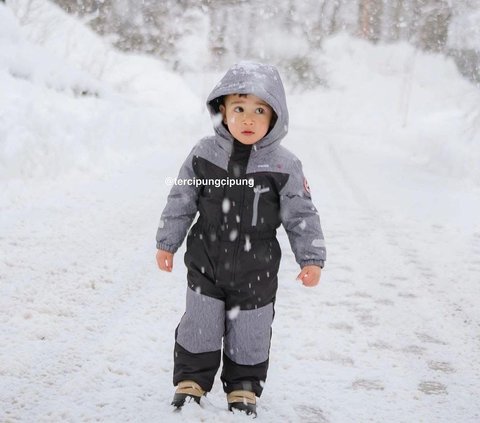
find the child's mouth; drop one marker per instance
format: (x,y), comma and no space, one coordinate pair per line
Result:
(247,132)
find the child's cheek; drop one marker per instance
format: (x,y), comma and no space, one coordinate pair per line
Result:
(232,119)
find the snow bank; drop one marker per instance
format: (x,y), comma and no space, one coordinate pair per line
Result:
(70,103)
(393,97)
(24,60)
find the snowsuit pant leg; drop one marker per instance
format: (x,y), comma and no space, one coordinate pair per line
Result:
(198,340)
(244,368)
(198,337)
(249,303)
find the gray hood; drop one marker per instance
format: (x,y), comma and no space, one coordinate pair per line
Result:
(257,79)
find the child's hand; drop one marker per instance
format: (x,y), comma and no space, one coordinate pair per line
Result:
(310,275)
(165,260)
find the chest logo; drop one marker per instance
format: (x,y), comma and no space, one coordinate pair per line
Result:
(306,186)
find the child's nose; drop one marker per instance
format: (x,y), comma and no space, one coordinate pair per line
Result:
(248,119)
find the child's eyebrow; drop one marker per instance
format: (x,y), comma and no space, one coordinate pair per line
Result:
(261,103)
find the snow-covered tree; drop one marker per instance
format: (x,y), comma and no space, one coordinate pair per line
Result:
(198,34)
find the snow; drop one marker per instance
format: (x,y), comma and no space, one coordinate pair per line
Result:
(248,245)
(464,31)
(76,132)
(390,150)
(226,205)
(233,313)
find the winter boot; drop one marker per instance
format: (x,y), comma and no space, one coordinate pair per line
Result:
(187,389)
(243,401)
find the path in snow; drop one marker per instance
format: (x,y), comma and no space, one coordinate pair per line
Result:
(399,289)
(390,334)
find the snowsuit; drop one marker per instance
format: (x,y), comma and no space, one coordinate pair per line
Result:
(232,253)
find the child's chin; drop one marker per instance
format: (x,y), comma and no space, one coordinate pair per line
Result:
(248,140)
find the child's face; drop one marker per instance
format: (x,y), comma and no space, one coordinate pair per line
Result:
(247,117)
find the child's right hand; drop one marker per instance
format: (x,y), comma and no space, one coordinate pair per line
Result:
(165,260)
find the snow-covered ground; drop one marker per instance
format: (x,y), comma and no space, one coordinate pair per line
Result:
(86,319)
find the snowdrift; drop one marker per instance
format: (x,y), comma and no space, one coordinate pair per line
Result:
(393,97)
(70,103)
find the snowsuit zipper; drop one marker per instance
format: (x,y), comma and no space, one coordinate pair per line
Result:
(240,156)
(257,190)
(239,238)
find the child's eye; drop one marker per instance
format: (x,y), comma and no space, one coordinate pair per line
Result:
(238,109)
(260,110)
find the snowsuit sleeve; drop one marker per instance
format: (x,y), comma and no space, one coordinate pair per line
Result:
(301,220)
(180,210)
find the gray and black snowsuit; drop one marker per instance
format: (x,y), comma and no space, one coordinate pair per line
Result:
(232,253)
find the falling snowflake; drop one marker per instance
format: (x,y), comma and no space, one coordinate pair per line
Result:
(217,119)
(233,313)
(318,243)
(247,245)
(226,205)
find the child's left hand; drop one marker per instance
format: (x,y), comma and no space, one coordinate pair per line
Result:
(310,275)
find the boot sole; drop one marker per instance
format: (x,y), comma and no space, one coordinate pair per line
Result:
(249,409)
(180,399)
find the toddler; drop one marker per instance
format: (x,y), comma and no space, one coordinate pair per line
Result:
(243,184)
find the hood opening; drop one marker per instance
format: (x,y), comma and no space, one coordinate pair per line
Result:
(258,79)
(218,101)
